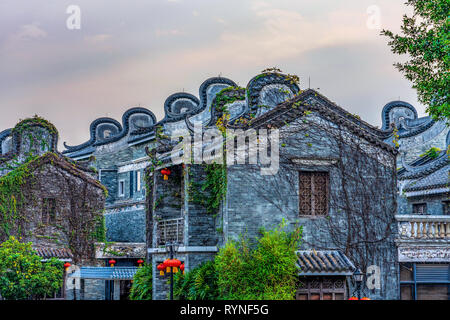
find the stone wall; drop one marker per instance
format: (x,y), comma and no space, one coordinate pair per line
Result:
(90,289)
(126,224)
(202,229)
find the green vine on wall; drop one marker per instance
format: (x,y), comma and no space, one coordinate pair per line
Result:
(12,186)
(35,120)
(213,190)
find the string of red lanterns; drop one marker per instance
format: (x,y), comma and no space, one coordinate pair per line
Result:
(170,265)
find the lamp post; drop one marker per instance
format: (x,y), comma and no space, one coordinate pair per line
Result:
(359,277)
(171,248)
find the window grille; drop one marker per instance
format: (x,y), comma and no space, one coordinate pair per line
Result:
(170,230)
(313,193)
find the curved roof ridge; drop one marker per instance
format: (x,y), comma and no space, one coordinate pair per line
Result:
(122,129)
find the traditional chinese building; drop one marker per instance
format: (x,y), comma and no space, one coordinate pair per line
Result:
(423,204)
(47,198)
(118,154)
(335,177)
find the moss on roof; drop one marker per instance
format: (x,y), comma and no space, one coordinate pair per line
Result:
(35,121)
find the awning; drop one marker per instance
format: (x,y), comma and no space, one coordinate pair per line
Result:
(106,273)
(324,263)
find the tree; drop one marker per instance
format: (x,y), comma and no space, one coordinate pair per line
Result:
(24,276)
(142,284)
(425,39)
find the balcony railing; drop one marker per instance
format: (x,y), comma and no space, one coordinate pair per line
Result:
(423,227)
(170,230)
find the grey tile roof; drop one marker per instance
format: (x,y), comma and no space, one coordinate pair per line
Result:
(424,169)
(329,262)
(48,253)
(108,273)
(437,179)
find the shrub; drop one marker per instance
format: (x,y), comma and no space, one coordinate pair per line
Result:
(142,284)
(268,270)
(22,274)
(198,284)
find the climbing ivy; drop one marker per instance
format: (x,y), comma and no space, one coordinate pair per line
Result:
(12,198)
(227,96)
(213,189)
(396,137)
(35,120)
(100,229)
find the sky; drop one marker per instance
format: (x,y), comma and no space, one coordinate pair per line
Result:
(130,53)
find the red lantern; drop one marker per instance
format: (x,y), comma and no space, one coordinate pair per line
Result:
(353,298)
(161,268)
(140,262)
(66,265)
(182,267)
(166,173)
(166,265)
(174,263)
(112,262)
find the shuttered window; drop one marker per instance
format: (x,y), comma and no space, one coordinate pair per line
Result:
(313,193)
(432,273)
(425,281)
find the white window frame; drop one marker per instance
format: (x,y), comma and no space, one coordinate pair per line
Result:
(138,181)
(121,191)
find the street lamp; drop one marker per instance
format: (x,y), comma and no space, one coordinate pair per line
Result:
(171,248)
(359,277)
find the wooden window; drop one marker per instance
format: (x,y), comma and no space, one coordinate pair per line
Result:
(419,208)
(322,288)
(313,193)
(48,210)
(406,292)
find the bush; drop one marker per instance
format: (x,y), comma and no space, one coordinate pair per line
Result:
(22,274)
(198,284)
(266,271)
(142,284)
